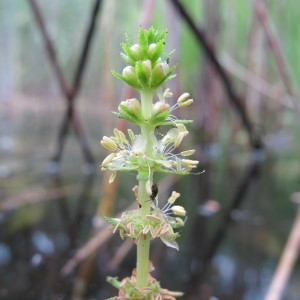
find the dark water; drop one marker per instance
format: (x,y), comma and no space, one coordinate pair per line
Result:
(225,253)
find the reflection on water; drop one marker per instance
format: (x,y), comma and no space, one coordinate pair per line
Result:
(5,254)
(239,219)
(42,243)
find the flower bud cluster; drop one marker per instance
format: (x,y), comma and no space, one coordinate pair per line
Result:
(146,68)
(131,111)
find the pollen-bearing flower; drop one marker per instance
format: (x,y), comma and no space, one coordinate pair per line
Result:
(130,154)
(128,289)
(160,223)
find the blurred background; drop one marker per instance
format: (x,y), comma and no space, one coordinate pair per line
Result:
(240,62)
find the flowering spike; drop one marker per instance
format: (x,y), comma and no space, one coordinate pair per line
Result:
(147,153)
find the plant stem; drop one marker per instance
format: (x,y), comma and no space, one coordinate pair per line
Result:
(146,103)
(143,247)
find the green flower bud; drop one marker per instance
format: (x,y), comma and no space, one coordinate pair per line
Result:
(160,112)
(155,50)
(136,52)
(129,74)
(159,74)
(131,110)
(143,72)
(151,49)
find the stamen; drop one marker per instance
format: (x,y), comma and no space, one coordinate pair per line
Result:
(178,210)
(112,177)
(108,159)
(187,152)
(109,144)
(131,135)
(168,93)
(184,101)
(173,197)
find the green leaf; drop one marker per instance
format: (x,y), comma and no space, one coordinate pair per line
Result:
(166,123)
(129,114)
(114,282)
(142,74)
(127,50)
(156,52)
(129,82)
(143,38)
(111,221)
(167,57)
(119,115)
(127,59)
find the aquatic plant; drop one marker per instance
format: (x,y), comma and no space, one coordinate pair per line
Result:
(147,153)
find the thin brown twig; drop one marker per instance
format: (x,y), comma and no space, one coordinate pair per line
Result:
(202,39)
(50,49)
(256,82)
(98,240)
(266,23)
(33,196)
(69,92)
(286,263)
(120,254)
(77,80)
